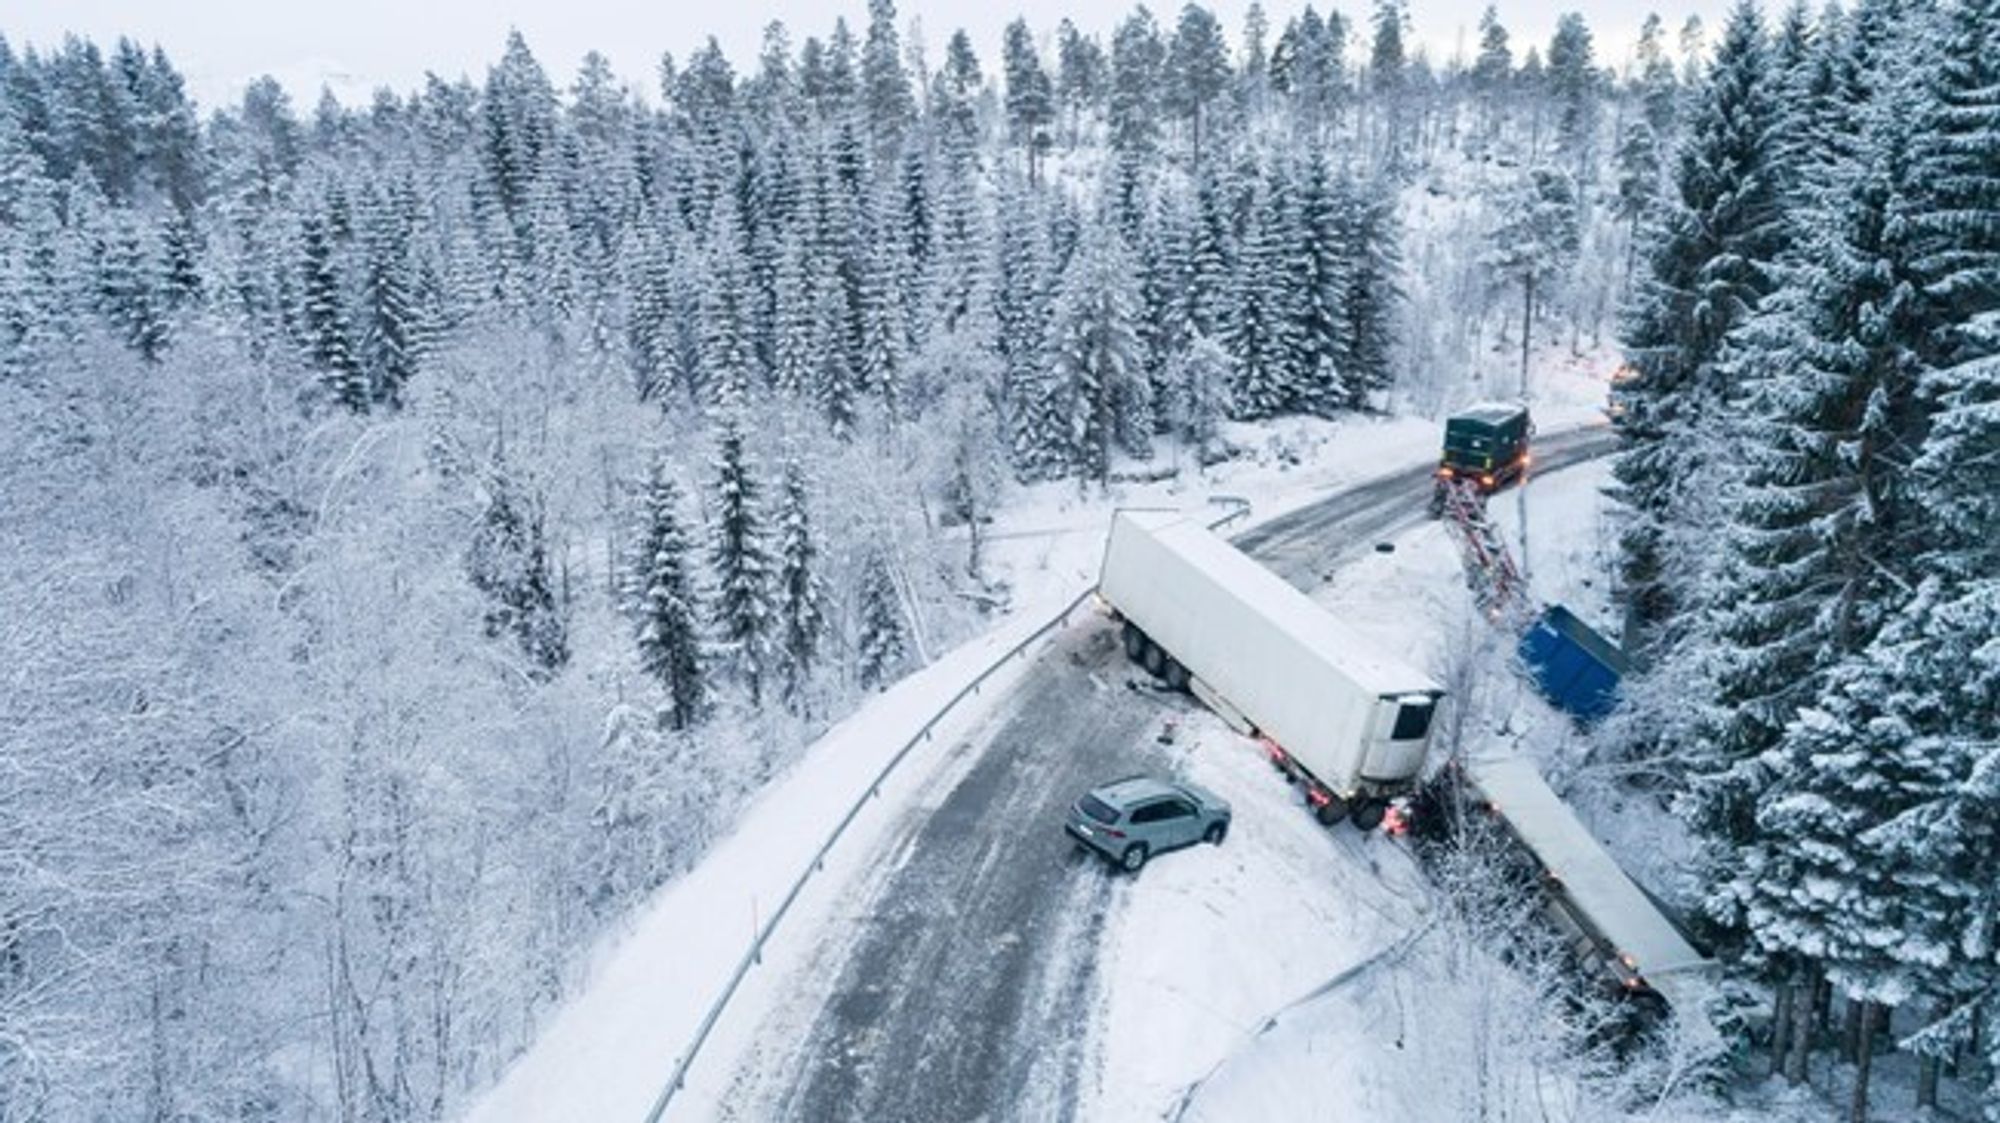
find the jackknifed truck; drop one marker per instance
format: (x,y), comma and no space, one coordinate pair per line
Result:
(1334,712)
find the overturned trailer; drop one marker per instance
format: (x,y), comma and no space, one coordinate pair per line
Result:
(1611,922)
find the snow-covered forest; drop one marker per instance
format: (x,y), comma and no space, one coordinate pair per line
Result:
(1812,553)
(428,521)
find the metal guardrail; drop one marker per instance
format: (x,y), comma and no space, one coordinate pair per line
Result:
(755,954)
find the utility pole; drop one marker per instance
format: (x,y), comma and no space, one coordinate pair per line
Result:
(1521,486)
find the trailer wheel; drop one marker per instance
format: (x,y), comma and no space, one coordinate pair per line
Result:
(1332,811)
(1135,641)
(1134,858)
(1368,814)
(1155,660)
(1177,675)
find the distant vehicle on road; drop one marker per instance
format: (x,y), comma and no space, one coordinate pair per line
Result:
(1348,720)
(1136,819)
(1486,447)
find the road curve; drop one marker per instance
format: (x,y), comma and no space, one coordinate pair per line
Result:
(961,987)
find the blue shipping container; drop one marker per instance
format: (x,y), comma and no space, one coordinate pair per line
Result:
(1572,665)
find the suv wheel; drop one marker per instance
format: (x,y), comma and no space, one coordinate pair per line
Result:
(1134,858)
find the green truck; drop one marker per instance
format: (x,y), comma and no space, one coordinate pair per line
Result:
(1486,446)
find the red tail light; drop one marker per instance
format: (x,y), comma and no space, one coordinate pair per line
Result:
(1318,797)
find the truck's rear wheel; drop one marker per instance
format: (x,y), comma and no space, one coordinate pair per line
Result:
(1155,660)
(1135,641)
(1368,813)
(1177,675)
(1332,811)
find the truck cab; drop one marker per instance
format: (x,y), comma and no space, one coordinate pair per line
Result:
(1486,446)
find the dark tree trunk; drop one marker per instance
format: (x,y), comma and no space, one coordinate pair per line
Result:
(1802,1024)
(1781,1024)
(1857,1111)
(1850,1032)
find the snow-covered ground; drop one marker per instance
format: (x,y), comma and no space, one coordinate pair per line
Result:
(608,1051)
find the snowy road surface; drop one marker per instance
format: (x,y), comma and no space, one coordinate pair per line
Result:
(959,985)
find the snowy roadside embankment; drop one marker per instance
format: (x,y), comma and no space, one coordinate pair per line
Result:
(609,1051)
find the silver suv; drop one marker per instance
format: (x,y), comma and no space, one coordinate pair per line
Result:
(1132,820)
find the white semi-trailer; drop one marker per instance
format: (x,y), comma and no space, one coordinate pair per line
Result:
(1334,711)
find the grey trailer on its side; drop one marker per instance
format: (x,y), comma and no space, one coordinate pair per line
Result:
(1617,925)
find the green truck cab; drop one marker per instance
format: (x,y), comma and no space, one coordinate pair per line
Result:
(1486,445)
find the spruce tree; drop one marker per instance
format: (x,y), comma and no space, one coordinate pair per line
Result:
(881,649)
(1261,330)
(1317,268)
(883,77)
(1098,375)
(1824,523)
(1372,304)
(1138,59)
(801,619)
(1573,83)
(741,564)
(388,352)
(323,317)
(1706,269)
(509,562)
(1197,72)
(1030,98)
(1536,242)
(661,596)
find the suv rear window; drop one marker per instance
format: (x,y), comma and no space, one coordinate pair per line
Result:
(1098,809)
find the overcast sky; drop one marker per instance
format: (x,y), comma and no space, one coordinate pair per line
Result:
(357,45)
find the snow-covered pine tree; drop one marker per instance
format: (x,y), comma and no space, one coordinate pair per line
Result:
(662,599)
(1197,73)
(881,649)
(1372,307)
(726,353)
(741,565)
(1138,58)
(1573,81)
(885,82)
(1261,330)
(509,562)
(883,335)
(1536,242)
(793,353)
(1820,541)
(322,317)
(1200,380)
(1492,74)
(835,383)
(801,594)
(1705,270)
(132,287)
(1210,249)
(1317,264)
(1030,97)
(388,351)
(1163,290)
(1098,373)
